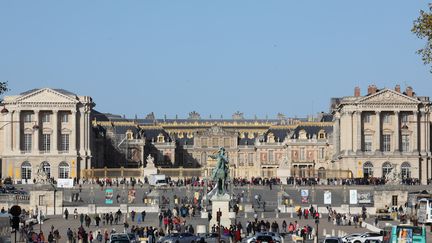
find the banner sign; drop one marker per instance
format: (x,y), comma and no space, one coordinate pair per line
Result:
(304,196)
(109,194)
(364,197)
(65,183)
(327,197)
(353,196)
(131,196)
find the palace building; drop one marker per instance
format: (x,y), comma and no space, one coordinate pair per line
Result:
(383,131)
(45,129)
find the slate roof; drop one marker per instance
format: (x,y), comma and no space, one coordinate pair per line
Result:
(311,130)
(61,91)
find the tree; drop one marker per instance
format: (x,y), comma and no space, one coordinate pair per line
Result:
(3,87)
(423,29)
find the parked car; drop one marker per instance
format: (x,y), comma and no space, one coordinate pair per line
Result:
(213,238)
(264,239)
(276,237)
(332,240)
(180,238)
(383,214)
(119,238)
(366,236)
(346,237)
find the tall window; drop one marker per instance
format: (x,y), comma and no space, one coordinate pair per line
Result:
(46,142)
(366,118)
(215,142)
(46,168)
(46,117)
(270,156)
(64,170)
(405,143)
(386,118)
(321,153)
(406,170)
(26,170)
(367,143)
(386,142)
(386,168)
(226,142)
(27,117)
(64,117)
(302,154)
(404,118)
(241,159)
(251,159)
(204,142)
(64,143)
(27,142)
(367,169)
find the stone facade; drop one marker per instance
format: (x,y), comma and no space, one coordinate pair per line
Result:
(363,136)
(45,129)
(382,131)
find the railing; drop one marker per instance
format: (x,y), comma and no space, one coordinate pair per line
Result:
(12,198)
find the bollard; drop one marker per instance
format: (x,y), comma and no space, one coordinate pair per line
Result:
(262,215)
(333,232)
(245,215)
(324,232)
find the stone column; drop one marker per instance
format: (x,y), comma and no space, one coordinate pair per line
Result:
(351,129)
(415,131)
(54,144)
(423,171)
(81,132)
(377,130)
(359,129)
(336,130)
(36,132)
(396,133)
(73,135)
(17,131)
(8,127)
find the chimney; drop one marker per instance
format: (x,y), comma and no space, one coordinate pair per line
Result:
(397,88)
(357,91)
(409,91)
(372,89)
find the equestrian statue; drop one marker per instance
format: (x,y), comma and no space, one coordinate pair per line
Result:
(221,170)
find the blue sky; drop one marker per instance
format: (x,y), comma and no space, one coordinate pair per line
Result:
(215,57)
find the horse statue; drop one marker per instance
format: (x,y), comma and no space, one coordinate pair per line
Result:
(221,171)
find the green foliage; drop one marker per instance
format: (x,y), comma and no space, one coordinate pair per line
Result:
(3,87)
(422,28)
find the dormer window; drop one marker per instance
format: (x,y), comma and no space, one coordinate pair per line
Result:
(160,138)
(129,135)
(321,134)
(302,134)
(270,138)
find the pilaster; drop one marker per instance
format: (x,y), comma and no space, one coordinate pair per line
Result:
(396,133)
(36,132)
(17,131)
(378,131)
(55,128)
(415,131)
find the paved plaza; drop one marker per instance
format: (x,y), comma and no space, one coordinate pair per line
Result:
(96,194)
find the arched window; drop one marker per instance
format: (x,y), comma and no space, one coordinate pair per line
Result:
(46,168)
(26,170)
(386,168)
(406,170)
(321,173)
(64,170)
(367,169)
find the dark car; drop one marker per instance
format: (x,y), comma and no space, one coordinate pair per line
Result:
(264,239)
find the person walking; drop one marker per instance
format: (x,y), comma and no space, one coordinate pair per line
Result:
(66,214)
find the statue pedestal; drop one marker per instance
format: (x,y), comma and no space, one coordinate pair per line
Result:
(150,170)
(283,173)
(220,203)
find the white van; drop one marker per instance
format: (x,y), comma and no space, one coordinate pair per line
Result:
(157,180)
